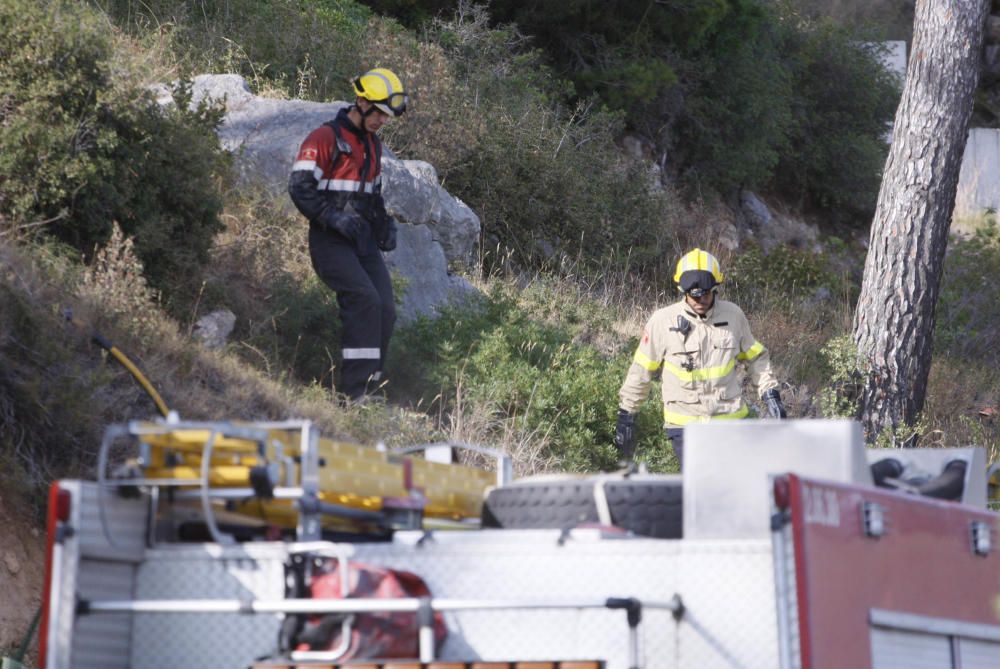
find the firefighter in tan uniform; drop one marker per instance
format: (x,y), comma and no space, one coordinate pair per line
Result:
(697,346)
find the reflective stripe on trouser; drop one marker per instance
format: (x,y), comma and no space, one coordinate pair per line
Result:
(673,418)
(675,431)
(367,309)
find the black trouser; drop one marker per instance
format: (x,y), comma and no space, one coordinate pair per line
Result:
(676,437)
(367,309)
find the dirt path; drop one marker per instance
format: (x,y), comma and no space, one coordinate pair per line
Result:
(22,570)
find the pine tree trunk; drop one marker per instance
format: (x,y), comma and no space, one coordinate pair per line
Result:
(894,320)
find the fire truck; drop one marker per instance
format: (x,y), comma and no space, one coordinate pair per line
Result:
(784,544)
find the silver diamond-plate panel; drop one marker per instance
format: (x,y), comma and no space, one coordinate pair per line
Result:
(504,565)
(87,566)
(731,620)
(101,641)
(219,641)
(108,525)
(728,588)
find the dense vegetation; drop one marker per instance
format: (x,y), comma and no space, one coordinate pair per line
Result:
(578,238)
(729,93)
(84,144)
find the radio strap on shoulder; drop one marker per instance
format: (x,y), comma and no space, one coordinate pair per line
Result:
(340,144)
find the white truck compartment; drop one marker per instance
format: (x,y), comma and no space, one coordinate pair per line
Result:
(738,590)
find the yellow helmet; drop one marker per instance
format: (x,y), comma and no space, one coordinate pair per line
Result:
(383,89)
(698,269)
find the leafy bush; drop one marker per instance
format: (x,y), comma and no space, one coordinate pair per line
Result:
(286,318)
(760,281)
(548,182)
(739,93)
(306,48)
(844,104)
(440,124)
(302,341)
(968,307)
(48,392)
(529,367)
(839,397)
(81,148)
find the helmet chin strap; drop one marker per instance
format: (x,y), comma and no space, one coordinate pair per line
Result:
(365,114)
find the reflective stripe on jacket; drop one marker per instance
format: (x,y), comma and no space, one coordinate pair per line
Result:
(702,371)
(334,168)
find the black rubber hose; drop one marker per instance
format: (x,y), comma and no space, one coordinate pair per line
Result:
(889,468)
(949,485)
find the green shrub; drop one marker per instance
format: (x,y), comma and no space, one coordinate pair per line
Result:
(306,48)
(737,93)
(287,323)
(623,51)
(548,182)
(52,69)
(301,341)
(50,391)
(530,369)
(968,307)
(761,282)
(736,121)
(845,100)
(838,398)
(81,148)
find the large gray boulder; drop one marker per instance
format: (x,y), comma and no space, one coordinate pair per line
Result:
(421,262)
(438,231)
(774,229)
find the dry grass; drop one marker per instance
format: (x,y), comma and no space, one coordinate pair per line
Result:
(481,424)
(606,310)
(961,409)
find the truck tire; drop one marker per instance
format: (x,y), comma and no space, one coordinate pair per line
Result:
(645,505)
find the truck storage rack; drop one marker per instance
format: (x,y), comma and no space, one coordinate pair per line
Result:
(285,474)
(437,664)
(423,607)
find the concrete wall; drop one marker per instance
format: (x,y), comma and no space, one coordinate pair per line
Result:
(979,180)
(895,57)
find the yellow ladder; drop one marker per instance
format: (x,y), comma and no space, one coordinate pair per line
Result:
(285,474)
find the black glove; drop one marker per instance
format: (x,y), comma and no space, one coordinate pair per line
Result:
(349,225)
(387,235)
(625,434)
(774,405)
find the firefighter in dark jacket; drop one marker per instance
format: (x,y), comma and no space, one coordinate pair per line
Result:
(699,346)
(336,183)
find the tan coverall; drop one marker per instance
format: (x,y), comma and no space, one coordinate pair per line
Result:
(702,379)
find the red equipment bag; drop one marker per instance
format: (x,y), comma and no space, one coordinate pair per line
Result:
(373,635)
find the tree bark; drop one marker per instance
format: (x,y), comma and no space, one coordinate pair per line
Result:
(894,320)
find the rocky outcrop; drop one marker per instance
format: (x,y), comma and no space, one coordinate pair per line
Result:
(772,230)
(438,231)
(413,195)
(213,329)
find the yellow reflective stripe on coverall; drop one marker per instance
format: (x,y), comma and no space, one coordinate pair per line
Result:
(751,352)
(645,362)
(706,374)
(672,418)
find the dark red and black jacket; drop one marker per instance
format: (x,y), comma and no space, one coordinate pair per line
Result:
(338,164)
